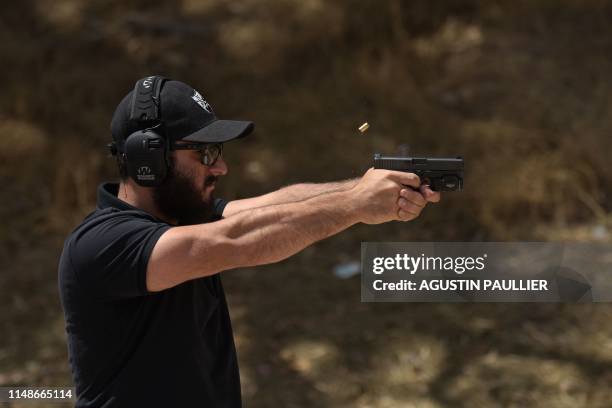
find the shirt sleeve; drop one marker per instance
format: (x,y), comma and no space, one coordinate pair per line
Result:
(110,258)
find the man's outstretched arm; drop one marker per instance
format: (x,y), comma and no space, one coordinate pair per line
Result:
(272,233)
(289,194)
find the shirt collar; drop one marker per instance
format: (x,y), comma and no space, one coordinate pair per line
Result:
(107,197)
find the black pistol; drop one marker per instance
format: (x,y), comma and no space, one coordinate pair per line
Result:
(442,174)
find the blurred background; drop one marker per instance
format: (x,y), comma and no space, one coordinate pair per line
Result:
(521,89)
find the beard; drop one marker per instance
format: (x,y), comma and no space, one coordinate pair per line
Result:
(178,199)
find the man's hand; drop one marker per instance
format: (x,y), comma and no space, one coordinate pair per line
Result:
(385,195)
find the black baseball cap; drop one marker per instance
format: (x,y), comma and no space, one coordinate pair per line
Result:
(184,115)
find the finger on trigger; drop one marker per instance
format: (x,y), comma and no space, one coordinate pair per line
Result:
(407,179)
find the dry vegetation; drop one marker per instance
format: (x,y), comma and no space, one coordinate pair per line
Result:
(521,89)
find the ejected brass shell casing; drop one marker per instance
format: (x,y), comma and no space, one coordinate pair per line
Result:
(363,128)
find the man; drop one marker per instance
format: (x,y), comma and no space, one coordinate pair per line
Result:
(146,316)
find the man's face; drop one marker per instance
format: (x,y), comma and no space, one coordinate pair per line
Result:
(186,194)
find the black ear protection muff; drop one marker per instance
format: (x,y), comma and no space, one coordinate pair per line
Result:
(146,151)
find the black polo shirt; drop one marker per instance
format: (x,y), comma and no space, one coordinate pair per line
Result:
(132,348)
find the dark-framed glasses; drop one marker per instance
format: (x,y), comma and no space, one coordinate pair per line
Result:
(209,152)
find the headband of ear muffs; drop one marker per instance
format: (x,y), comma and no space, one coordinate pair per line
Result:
(146,150)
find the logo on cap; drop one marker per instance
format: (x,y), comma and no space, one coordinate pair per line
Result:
(147,82)
(200,101)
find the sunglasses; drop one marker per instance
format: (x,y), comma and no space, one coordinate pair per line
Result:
(209,152)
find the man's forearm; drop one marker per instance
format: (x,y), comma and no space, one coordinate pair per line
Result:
(289,194)
(304,191)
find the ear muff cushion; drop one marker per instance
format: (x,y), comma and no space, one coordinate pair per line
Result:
(145,153)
